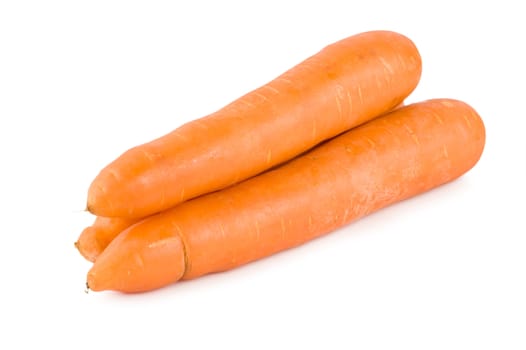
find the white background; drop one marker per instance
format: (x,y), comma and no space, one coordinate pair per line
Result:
(82,81)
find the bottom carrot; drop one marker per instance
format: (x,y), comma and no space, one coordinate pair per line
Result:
(402,154)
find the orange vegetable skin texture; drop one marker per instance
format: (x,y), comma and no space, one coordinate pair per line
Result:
(95,238)
(344,85)
(397,156)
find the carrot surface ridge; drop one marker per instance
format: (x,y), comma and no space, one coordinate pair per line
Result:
(394,157)
(345,84)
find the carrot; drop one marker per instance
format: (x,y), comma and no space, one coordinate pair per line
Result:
(95,238)
(402,154)
(344,85)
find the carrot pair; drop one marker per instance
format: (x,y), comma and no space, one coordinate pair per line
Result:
(396,156)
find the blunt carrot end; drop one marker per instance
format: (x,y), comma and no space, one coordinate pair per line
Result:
(88,244)
(96,198)
(148,261)
(94,284)
(88,208)
(92,201)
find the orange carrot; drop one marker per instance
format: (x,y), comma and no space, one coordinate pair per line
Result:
(344,85)
(95,238)
(402,154)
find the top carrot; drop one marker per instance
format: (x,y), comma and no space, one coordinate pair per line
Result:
(345,84)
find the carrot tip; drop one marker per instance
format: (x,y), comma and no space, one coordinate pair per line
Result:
(77,211)
(88,209)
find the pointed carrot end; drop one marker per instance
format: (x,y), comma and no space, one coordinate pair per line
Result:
(88,245)
(93,283)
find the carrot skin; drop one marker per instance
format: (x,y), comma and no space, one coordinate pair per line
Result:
(402,154)
(159,257)
(95,238)
(345,84)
